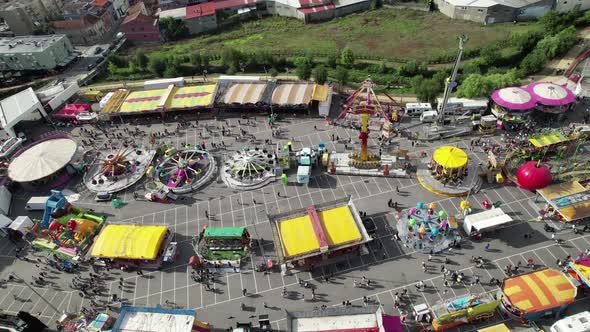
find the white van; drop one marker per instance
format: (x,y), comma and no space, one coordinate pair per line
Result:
(574,323)
(416,109)
(36,203)
(428,116)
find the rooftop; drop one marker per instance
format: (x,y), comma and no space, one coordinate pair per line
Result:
(28,44)
(335,319)
(491,3)
(75,24)
(202,9)
(154,319)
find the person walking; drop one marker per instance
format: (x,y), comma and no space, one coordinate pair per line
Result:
(244,292)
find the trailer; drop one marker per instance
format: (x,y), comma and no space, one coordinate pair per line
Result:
(163,83)
(486,221)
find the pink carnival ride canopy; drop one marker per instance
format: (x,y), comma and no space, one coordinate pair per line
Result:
(69,111)
(551,94)
(514,98)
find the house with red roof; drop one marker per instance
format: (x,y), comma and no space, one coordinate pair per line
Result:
(140,27)
(197,18)
(305,10)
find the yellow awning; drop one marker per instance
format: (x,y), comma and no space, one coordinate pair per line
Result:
(450,157)
(320,93)
(496,328)
(129,241)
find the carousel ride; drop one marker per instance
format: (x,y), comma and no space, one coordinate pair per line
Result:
(448,172)
(116,170)
(552,98)
(426,229)
(182,171)
(250,168)
(512,105)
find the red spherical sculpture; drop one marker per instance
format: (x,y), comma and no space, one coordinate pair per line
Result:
(533,175)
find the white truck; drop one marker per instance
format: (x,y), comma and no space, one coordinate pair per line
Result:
(36,203)
(575,323)
(306,158)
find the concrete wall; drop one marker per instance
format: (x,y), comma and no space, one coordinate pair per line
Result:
(352,8)
(139,31)
(276,8)
(500,14)
(564,6)
(324,15)
(534,11)
(201,24)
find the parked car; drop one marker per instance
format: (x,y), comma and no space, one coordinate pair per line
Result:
(103,196)
(98,50)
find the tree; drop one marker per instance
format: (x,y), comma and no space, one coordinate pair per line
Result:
(341,75)
(171,71)
(331,60)
(347,57)
(141,60)
(490,55)
(157,65)
(475,85)
(320,75)
(303,70)
(383,69)
(173,29)
(524,42)
(409,69)
(117,61)
(552,22)
(205,58)
(428,89)
(231,58)
(533,62)
(196,59)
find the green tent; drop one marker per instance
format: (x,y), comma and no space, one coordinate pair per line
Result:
(224,232)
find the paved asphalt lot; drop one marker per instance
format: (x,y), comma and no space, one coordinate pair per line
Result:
(391,266)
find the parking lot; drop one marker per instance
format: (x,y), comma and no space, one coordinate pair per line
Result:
(388,264)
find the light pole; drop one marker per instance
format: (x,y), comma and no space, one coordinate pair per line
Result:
(34,291)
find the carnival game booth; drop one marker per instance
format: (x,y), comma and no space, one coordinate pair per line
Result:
(511,105)
(132,245)
(313,235)
(448,163)
(170,99)
(239,92)
(221,248)
(579,270)
(298,96)
(144,319)
(552,98)
(75,113)
(566,202)
(537,294)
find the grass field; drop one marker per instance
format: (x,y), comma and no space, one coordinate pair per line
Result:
(388,33)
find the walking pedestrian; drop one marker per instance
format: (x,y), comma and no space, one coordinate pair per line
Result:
(244,292)
(206,214)
(487,247)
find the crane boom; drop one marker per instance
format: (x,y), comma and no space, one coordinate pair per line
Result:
(451,84)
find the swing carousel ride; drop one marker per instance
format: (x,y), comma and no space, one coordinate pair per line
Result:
(182,171)
(250,168)
(118,169)
(363,110)
(425,229)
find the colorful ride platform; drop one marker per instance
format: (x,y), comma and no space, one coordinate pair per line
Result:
(536,294)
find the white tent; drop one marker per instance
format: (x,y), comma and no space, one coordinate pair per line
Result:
(22,224)
(4,224)
(19,107)
(42,160)
(486,221)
